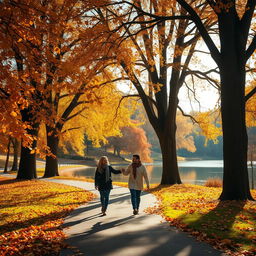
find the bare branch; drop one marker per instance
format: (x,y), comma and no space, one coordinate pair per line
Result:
(76,114)
(187,115)
(122,98)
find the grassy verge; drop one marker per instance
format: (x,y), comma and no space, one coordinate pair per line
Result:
(229,226)
(31,215)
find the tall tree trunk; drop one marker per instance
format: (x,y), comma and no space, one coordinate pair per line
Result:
(235,140)
(167,139)
(15,143)
(51,166)
(7,156)
(27,166)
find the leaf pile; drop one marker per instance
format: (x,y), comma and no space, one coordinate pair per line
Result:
(31,215)
(228,225)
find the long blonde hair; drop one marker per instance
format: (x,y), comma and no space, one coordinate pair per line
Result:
(100,162)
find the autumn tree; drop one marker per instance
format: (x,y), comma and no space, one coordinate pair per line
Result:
(24,37)
(133,140)
(11,100)
(155,56)
(237,44)
(40,38)
(94,118)
(92,88)
(235,32)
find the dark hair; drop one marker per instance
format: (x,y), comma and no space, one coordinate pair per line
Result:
(136,156)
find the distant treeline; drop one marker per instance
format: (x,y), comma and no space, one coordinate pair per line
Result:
(208,150)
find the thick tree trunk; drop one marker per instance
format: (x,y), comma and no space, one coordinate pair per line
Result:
(235,140)
(167,139)
(51,167)
(15,143)
(27,166)
(170,174)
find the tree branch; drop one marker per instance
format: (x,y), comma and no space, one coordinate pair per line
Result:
(209,42)
(250,50)
(250,94)
(187,115)
(74,128)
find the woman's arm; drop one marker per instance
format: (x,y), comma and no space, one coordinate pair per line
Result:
(111,169)
(96,179)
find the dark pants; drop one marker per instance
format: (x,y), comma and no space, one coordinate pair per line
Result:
(135,198)
(104,198)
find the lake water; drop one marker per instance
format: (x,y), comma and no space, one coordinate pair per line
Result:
(191,172)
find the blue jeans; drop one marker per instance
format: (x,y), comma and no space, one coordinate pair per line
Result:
(104,198)
(135,198)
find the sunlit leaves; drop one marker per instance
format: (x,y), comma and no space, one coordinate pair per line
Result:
(228,225)
(209,124)
(31,215)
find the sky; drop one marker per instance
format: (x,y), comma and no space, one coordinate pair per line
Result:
(208,99)
(206,94)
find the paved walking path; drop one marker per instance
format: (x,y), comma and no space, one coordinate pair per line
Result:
(120,233)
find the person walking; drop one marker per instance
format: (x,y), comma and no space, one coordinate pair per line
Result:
(136,171)
(103,182)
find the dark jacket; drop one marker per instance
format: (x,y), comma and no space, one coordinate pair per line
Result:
(100,178)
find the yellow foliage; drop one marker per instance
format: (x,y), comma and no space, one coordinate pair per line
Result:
(98,120)
(208,125)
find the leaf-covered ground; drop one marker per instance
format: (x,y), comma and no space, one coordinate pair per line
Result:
(31,214)
(229,226)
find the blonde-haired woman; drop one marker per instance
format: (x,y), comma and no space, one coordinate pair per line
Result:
(103,181)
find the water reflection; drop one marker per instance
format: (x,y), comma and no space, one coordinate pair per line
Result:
(191,172)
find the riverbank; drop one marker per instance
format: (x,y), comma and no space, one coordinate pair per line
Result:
(90,160)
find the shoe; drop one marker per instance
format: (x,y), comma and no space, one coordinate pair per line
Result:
(135,212)
(103,210)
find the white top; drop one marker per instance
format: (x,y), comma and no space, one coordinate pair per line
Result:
(138,182)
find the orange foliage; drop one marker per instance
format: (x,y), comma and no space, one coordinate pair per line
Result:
(32,215)
(134,141)
(44,53)
(213,182)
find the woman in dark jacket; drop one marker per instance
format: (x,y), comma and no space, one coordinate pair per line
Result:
(103,181)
